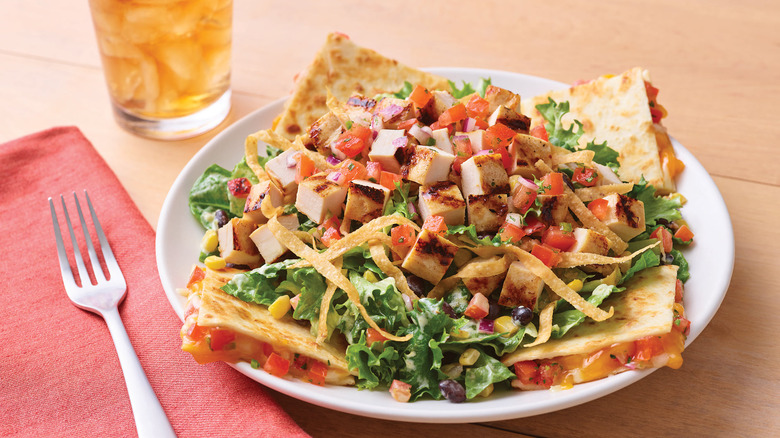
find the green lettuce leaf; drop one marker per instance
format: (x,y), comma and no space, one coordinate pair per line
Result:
(241,170)
(376,365)
(208,194)
(399,202)
(467,89)
(604,154)
(566,320)
(259,285)
(679,259)
(553,113)
(647,259)
(485,371)
(656,207)
(382,301)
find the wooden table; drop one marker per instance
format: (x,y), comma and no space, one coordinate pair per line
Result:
(716,63)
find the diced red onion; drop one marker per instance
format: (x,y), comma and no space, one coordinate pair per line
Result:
(514,219)
(528,183)
(417,132)
(412,209)
(332,160)
(400,142)
(484,152)
(390,111)
(486,325)
(469,124)
(336,177)
(427,130)
(376,125)
(408,302)
(292,160)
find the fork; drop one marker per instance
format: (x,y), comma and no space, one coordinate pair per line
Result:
(103,298)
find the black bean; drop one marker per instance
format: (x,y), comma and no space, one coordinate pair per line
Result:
(419,286)
(452,391)
(221,217)
(445,306)
(667,259)
(522,315)
(493,310)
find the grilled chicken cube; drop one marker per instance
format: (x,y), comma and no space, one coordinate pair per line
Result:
(625,216)
(430,257)
(511,118)
(270,248)
(385,146)
(477,138)
(487,212)
(443,199)
(442,101)
(260,191)
(528,150)
(590,241)
(427,165)
(521,287)
(442,139)
(497,96)
(318,196)
(281,173)
(554,209)
(486,284)
(235,245)
(393,110)
(483,174)
(323,132)
(365,201)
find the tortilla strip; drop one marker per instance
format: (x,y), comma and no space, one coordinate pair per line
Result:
(345,68)
(584,157)
(588,194)
(616,110)
(322,321)
(643,309)
(379,256)
(494,265)
(327,270)
(218,309)
(572,259)
(545,325)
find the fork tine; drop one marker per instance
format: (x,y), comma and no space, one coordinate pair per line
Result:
(105,247)
(67,274)
(90,248)
(83,274)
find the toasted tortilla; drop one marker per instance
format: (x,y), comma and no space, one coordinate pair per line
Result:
(345,68)
(219,309)
(615,109)
(645,308)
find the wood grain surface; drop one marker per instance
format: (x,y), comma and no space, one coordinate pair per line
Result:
(715,62)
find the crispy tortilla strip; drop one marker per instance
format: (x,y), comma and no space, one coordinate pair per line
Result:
(643,309)
(584,157)
(545,325)
(491,265)
(218,309)
(379,256)
(588,194)
(572,259)
(345,68)
(615,109)
(322,321)
(327,270)
(250,152)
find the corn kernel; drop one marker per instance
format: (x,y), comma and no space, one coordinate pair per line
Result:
(460,334)
(280,307)
(370,276)
(487,391)
(210,241)
(504,324)
(215,262)
(679,197)
(575,285)
(453,370)
(469,357)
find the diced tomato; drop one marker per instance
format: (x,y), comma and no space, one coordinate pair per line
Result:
(452,115)
(506,158)
(681,324)
(294,301)
(599,208)
(499,135)
(679,291)
(478,307)
(462,146)
(196,332)
(559,238)
(481,123)
(586,176)
(457,163)
(331,222)
(268,349)
(552,184)
(277,365)
(388,179)
(533,226)
(665,236)
(304,168)
(352,170)
(539,131)
(684,233)
(330,236)
(239,187)
(648,347)
(652,92)
(546,254)
(526,371)
(349,144)
(435,223)
(656,113)
(477,107)
(401,391)
(548,373)
(523,198)
(420,96)
(317,372)
(197,275)
(220,338)
(406,124)
(373,335)
(374,171)
(403,235)
(511,232)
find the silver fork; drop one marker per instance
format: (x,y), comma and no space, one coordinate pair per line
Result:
(102,298)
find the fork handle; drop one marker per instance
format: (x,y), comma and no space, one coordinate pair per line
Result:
(150,418)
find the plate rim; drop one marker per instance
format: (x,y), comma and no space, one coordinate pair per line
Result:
(431,411)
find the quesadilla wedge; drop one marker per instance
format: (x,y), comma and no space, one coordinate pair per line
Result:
(219,327)
(639,335)
(622,111)
(344,68)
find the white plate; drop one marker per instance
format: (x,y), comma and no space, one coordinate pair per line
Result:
(711,260)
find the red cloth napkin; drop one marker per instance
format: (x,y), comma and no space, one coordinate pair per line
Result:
(59,372)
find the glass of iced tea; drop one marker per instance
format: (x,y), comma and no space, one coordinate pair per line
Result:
(166,63)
